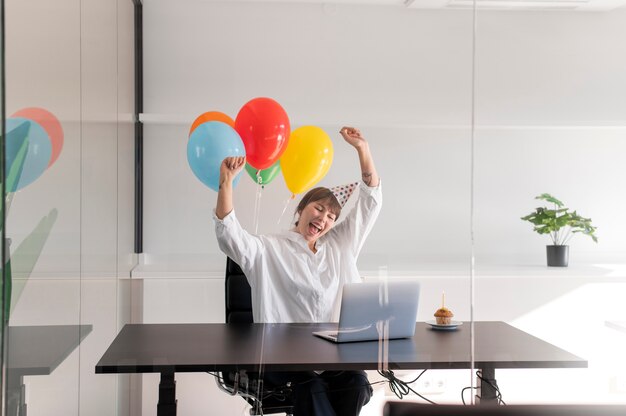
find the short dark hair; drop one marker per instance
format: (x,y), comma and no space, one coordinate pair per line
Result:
(320,194)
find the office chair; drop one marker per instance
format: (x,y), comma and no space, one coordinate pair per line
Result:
(274,399)
(421,409)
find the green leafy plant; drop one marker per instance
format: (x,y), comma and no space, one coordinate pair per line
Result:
(559,222)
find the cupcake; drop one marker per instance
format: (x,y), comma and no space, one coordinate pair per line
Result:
(443,316)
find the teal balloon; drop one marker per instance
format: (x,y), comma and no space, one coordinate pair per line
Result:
(266,175)
(38,152)
(209,144)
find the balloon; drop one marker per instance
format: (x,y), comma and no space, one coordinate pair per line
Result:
(264,128)
(208,145)
(50,124)
(267,175)
(38,150)
(211,116)
(307,158)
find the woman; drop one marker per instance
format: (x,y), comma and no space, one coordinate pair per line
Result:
(297,276)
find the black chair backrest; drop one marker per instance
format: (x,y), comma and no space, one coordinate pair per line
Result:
(239,310)
(238,295)
(420,409)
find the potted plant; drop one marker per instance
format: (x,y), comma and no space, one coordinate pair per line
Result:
(561,225)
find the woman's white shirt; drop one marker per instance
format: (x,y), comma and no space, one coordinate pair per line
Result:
(289,282)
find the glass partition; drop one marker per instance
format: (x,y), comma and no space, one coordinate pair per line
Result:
(401,74)
(3,253)
(471,109)
(43,207)
(548,143)
(69,135)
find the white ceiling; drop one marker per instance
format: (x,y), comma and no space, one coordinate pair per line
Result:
(578,5)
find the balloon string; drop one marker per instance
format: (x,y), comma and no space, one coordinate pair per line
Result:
(285,207)
(257,204)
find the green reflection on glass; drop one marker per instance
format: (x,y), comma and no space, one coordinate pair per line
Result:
(14,173)
(26,255)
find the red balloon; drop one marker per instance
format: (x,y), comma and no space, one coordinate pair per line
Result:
(264,128)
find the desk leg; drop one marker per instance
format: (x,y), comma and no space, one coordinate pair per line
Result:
(15,394)
(167,395)
(487,394)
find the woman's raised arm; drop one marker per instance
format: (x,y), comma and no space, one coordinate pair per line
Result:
(230,167)
(368,170)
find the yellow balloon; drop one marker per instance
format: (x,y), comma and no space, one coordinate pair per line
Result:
(307,158)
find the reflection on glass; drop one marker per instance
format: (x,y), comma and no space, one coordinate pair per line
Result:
(29,152)
(4,251)
(32,349)
(69,146)
(37,350)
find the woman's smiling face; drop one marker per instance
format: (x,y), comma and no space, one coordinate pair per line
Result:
(316,219)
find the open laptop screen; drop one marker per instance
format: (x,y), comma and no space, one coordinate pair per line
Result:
(377,310)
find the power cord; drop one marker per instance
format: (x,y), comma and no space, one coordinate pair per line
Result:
(492,382)
(251,388)
(463,394)
(400,387)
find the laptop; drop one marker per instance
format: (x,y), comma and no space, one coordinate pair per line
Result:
(376,310)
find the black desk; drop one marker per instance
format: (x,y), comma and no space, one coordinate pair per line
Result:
(172,348)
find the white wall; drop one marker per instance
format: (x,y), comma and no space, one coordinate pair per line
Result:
(404,77)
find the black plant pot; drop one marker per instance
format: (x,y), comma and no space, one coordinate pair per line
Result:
(558,256)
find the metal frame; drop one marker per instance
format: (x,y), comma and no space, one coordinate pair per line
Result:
(138,16)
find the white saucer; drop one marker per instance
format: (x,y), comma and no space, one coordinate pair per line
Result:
(449,327)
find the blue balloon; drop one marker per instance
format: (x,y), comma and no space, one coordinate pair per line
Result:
(208,145)
(38,153)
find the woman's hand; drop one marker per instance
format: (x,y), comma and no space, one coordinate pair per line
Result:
(230,167)
(368,171)
(353,136)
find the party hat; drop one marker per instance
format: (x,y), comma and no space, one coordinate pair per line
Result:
(343,192)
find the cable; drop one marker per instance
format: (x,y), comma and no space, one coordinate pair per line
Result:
(463,392)
(401,388)
(253,392)
(492,382)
